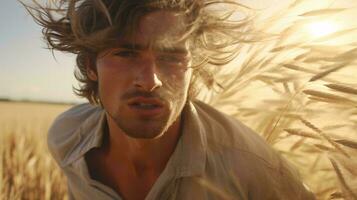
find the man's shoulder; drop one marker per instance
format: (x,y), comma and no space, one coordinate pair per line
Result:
(227,131)
(73,116)
(68,129)
(234,146)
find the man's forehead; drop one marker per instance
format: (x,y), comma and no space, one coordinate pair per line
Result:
(160,26)
(160,30)
(161,21)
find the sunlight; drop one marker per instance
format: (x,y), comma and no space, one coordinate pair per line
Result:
(322,28)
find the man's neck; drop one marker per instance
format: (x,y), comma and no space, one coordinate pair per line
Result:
(142,155)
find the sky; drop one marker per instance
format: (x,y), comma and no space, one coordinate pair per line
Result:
(29,71)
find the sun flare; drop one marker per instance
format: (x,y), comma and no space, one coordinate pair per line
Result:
(322,28)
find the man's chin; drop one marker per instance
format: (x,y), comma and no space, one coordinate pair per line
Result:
(144,130)
(145,134)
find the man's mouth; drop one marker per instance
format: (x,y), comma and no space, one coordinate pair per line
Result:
(146,106)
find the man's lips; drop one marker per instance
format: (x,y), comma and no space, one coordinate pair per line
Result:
(146,106)
(137,101)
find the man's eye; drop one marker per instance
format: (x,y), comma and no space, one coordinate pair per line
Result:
(126,54)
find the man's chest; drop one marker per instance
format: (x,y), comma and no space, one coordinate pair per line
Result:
(167,186)
(128,185)
(124,180)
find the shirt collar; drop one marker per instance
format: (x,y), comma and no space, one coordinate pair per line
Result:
(90,134)
(188,159)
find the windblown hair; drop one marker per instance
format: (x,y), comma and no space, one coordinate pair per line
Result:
(85,27)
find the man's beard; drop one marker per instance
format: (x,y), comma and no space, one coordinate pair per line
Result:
(150,128)
(139,129)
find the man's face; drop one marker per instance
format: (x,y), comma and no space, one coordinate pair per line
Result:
(144,81)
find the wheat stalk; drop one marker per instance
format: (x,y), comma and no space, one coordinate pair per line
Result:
(347,143)
(327,72)
(301,133)
(342,88)
(342,179)
(329,96)
(317,130)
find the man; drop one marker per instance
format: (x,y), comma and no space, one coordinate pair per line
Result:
(143,136)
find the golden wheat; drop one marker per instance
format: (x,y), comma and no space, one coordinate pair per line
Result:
(342,88)
(268,88)
(27,171)
(296,66)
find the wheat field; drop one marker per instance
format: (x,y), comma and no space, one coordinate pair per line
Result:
(298,92)
(26,169)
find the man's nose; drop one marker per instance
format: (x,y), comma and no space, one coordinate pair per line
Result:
(147,78)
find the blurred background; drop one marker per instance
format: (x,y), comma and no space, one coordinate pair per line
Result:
(295,84)
(29,71)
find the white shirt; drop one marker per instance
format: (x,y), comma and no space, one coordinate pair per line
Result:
(216,157)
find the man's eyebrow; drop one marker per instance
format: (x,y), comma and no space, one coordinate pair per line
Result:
(132,46)
(178,50)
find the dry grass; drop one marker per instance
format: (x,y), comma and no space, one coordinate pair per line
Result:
(26,169)
(306,107)
(307,102)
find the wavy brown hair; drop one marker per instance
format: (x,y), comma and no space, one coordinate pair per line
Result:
(85,27)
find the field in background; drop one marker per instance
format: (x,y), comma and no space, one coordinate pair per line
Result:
(26,169)
(297,90)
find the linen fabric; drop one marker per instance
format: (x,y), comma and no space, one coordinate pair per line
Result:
(217,157)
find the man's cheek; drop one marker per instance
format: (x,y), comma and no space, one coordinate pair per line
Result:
(176,85)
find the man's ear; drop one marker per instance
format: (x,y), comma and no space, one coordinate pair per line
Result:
(91,71)
(92,74)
